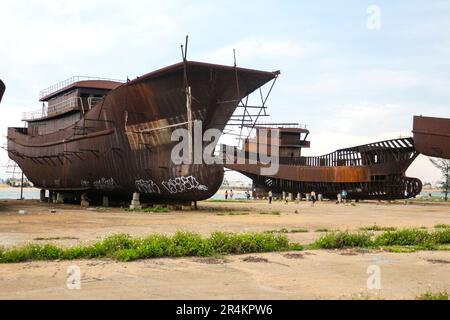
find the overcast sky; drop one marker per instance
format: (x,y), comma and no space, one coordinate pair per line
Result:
(350,78)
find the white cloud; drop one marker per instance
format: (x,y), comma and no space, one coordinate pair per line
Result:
(249,50)
(369,117)
(366,81)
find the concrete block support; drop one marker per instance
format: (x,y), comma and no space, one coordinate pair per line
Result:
(42,195)
(307,196)
(84,200)
(320,197)
(105,201)
(135,203)
(59,197)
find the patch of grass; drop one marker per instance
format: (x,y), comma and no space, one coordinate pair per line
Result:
(296,247)
(56,238)
(232,213)
(274,213)
(402,249)
(442,226)
(441,236)
(377,228)
(285,230)
(442,295)
(343,239)
(222,209)
(124,248)
(155,209)
(404,237)
(299,230)
(404,240)
(322,230)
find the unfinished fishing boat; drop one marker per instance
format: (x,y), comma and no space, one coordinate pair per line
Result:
(107,137)
(432,136)
(371,171)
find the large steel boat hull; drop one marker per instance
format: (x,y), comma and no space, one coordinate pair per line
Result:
(372,171)
(123,145)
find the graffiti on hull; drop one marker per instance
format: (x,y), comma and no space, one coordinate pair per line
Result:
(181,184)
(105,184)
(147,186)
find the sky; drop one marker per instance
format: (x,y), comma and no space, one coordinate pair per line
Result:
(353,71)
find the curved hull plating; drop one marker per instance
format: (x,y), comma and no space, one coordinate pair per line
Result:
(123,144)
(432,136)
(2,90)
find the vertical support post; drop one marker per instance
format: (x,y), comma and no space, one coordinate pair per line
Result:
(42,195)
(105,201)
(21,188)
(189,119)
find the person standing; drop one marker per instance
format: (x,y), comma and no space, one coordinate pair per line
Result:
(231,194)
(270,196)
(248,195)
(344,196)
(226,194)
(313,198)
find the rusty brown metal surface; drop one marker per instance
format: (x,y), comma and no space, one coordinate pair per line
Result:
(372,171)
(108,152)
(432,136)
(2,90)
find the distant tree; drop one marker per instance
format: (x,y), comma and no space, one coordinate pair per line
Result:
(444,166)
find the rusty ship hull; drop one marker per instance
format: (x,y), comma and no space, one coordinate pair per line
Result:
(372,171)
(432,136)
(123,143)
(2,90)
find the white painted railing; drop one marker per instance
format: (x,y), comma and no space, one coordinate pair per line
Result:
(58,86)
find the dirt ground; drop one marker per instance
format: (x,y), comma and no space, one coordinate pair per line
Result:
(318,274)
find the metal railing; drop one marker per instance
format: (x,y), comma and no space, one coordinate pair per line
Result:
(35,114)
(60,107)
(63,106)
(60,85)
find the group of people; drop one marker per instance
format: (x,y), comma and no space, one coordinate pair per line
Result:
(342,196)
(313,197)
(231,194)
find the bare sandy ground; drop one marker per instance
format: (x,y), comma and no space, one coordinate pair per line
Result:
(321,274)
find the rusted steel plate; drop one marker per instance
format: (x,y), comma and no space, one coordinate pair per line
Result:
(2,90)
(432,136)
(306,173)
